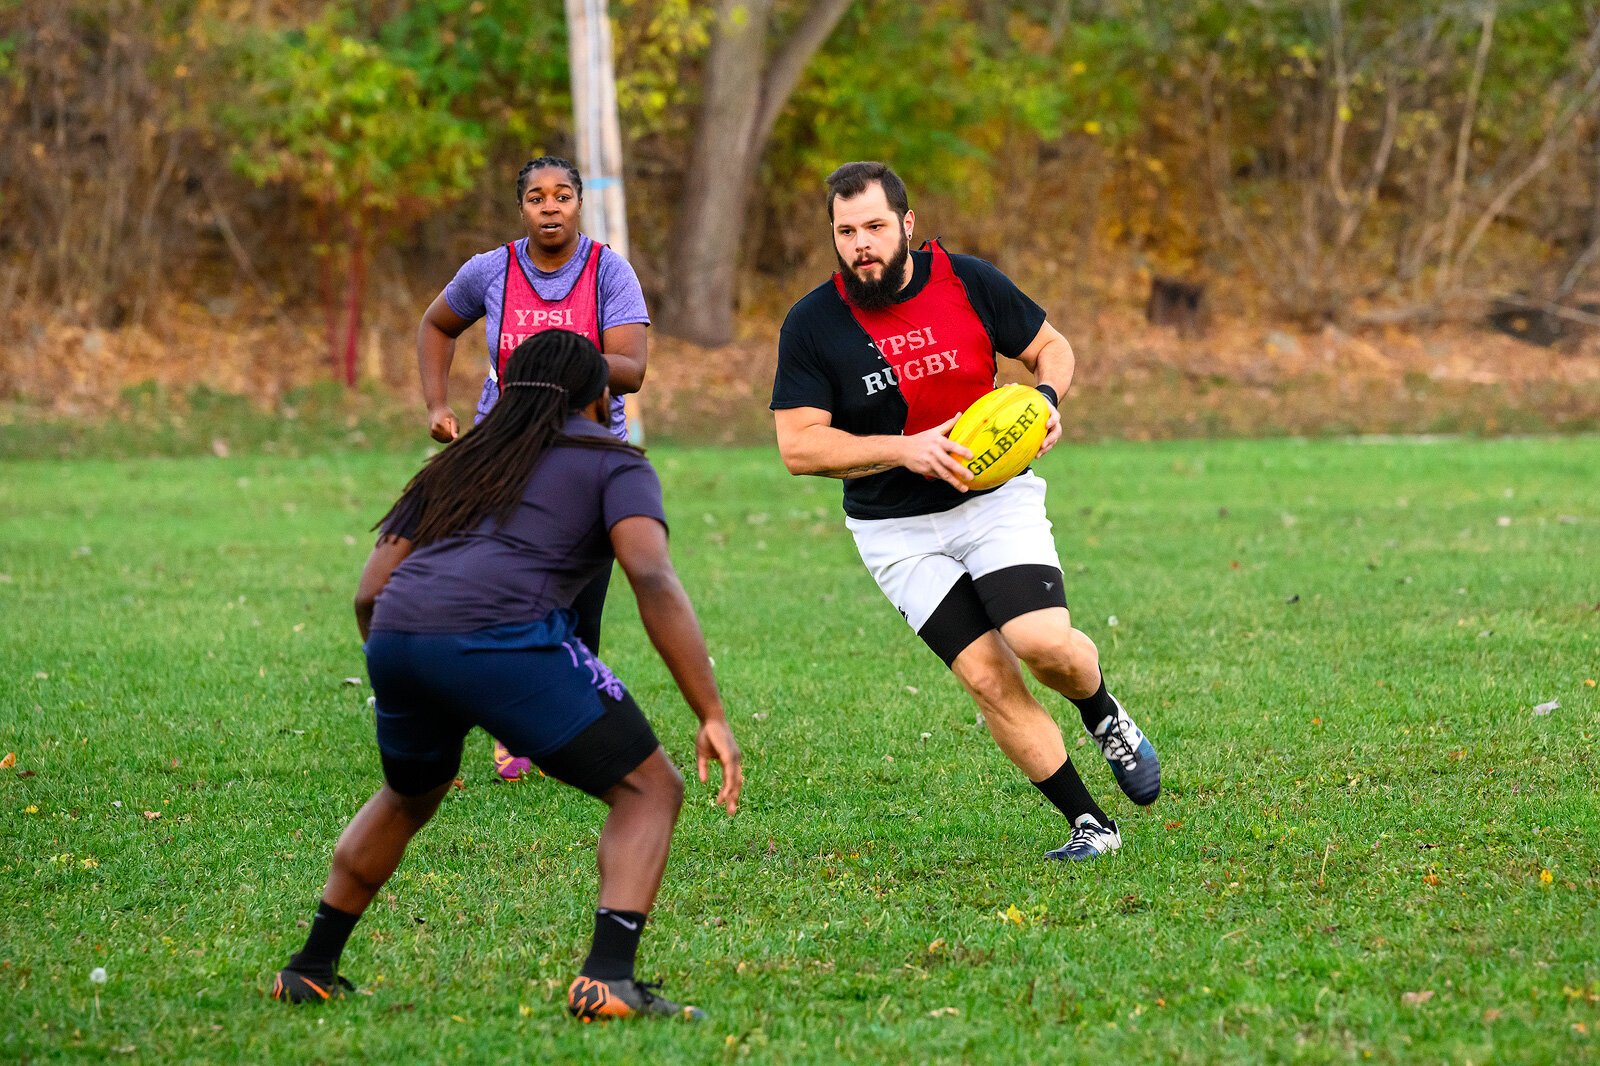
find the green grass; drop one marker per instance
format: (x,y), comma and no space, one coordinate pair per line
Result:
(1336,646)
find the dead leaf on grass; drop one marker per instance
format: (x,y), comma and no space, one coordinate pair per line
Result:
(9,761)
(1416,999)
(1544,709)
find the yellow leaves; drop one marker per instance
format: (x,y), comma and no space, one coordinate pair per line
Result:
(524,1010)
(1546,877)
(1591,682)
(1092,128)
(1430,879)
(31,809)
(9,761)
(1015,916)
(936,946)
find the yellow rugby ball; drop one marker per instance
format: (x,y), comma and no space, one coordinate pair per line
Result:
(1004,430)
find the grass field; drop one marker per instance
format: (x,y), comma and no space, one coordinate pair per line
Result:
(1370,845)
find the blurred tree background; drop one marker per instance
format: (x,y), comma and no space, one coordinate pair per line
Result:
(251,192)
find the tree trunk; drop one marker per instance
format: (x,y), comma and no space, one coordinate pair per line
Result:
(329,291)
(355,296)
(742,95)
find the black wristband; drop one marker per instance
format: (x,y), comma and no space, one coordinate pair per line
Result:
(1049,394)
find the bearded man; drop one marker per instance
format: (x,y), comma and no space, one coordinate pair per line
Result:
(874,367)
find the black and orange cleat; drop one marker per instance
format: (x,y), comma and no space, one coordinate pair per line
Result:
(292,986)
(591,999)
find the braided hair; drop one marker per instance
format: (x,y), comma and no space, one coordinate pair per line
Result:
(484,472)
(548,161)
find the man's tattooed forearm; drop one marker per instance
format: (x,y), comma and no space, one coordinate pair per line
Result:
(858,471)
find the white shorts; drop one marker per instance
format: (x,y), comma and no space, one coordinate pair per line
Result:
(957,574)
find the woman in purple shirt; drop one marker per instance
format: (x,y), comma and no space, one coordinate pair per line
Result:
(465,608)
(554,278)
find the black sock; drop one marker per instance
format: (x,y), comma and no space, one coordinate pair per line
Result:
(330,928)
(1065,789)
(616,942)
(1095,709)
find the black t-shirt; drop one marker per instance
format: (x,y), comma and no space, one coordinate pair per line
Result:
(824,355)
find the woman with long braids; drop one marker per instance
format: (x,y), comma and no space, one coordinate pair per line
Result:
(556,277)
(465,608)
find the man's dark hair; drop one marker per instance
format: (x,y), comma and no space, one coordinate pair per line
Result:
(482,473)
(852,179)
(548,161)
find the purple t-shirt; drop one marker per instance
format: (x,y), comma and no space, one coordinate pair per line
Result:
(479,291)
(555,543)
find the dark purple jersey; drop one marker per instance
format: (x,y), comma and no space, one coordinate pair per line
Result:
(555,543)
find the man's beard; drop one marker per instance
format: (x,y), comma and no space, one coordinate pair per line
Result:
(876,295)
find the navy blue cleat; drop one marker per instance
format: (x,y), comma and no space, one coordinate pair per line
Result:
(1089,840)
(1131,755)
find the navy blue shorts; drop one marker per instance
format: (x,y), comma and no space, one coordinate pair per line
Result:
(536,688)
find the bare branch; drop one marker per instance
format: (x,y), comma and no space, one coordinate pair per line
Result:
(790,62)
(1541,159)
(1341,105)
(1469,119)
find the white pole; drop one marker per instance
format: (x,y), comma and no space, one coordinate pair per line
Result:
(599,139)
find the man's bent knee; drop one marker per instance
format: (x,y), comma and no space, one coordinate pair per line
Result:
(1049,643)
(991,676)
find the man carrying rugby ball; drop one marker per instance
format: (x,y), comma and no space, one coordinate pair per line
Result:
(874,366)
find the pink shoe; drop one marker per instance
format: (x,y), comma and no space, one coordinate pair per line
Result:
(510,767)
